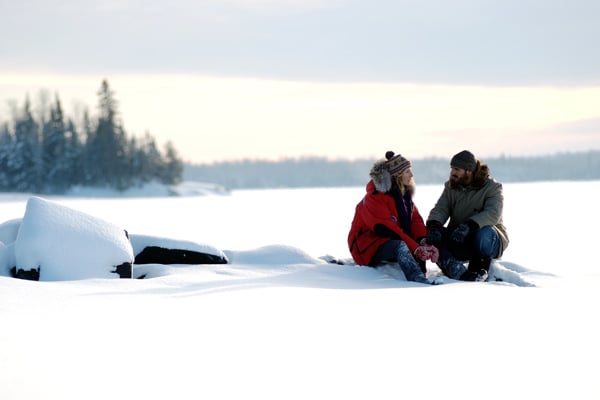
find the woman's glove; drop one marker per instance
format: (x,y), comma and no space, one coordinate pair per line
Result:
(426,252)
(422,253)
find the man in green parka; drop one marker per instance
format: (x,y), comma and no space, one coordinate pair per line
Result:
(472,204)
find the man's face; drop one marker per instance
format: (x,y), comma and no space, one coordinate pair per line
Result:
(460,177)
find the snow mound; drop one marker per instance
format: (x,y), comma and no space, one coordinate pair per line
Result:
(140,242)
(66,244)
(272,255)
(9,230)
(271,266)
(510,273)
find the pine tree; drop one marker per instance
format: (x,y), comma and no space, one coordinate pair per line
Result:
(74,155)
(87,157)
(54,147)
(140,161)
(24,161)
(173,166)
(106,149)
(6,145)
(152,159)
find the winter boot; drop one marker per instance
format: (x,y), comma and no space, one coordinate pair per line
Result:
(478,263)
(475,276)
(485,263)
(478,270)
(482,276)
(452,268)
(410,266)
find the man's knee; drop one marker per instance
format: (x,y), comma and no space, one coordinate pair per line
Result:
(487,242)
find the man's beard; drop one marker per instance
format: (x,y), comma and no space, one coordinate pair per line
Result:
(457,183)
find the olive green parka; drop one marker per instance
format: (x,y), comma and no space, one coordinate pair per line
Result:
(482,202)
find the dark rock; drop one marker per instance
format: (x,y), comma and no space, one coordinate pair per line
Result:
(160,255)
(30,275)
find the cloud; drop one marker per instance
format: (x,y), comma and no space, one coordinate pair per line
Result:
(512,42)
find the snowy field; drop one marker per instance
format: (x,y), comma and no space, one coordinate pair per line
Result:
(278,322)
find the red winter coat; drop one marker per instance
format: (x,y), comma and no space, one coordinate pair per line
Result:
(378,208)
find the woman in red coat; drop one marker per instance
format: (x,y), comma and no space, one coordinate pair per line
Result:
(387,225)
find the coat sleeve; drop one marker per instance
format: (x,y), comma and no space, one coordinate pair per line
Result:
(493,203)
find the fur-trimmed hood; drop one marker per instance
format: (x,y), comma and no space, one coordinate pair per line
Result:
(383,179)
(381,176)
(480,175)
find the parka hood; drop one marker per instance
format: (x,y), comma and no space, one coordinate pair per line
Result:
(381,176)
(480,176)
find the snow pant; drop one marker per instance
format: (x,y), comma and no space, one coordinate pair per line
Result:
(397,251)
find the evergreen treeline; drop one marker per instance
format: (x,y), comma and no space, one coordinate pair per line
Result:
(321,172)
(50,155)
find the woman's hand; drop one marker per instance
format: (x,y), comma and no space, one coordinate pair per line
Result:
(427,252)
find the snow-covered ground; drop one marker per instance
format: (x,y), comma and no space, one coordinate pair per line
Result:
(279,322)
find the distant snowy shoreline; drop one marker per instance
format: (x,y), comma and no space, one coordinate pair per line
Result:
(152,189)
(323,172)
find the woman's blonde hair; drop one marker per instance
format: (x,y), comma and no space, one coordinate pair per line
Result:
(405,188)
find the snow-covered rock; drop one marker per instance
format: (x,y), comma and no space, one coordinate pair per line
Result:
(65,244)
(160,250)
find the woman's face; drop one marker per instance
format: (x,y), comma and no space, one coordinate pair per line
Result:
(406,176)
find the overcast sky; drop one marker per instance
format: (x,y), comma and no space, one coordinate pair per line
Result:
(277,78)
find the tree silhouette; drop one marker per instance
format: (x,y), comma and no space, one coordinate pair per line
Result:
(24,161)
(56,166)
(51,156)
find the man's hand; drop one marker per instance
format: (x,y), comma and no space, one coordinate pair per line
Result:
(460,233)
(434,233)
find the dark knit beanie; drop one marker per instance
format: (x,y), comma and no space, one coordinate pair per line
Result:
(465,160)
(396,163)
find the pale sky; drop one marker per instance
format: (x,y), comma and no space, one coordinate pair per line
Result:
(231,79)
